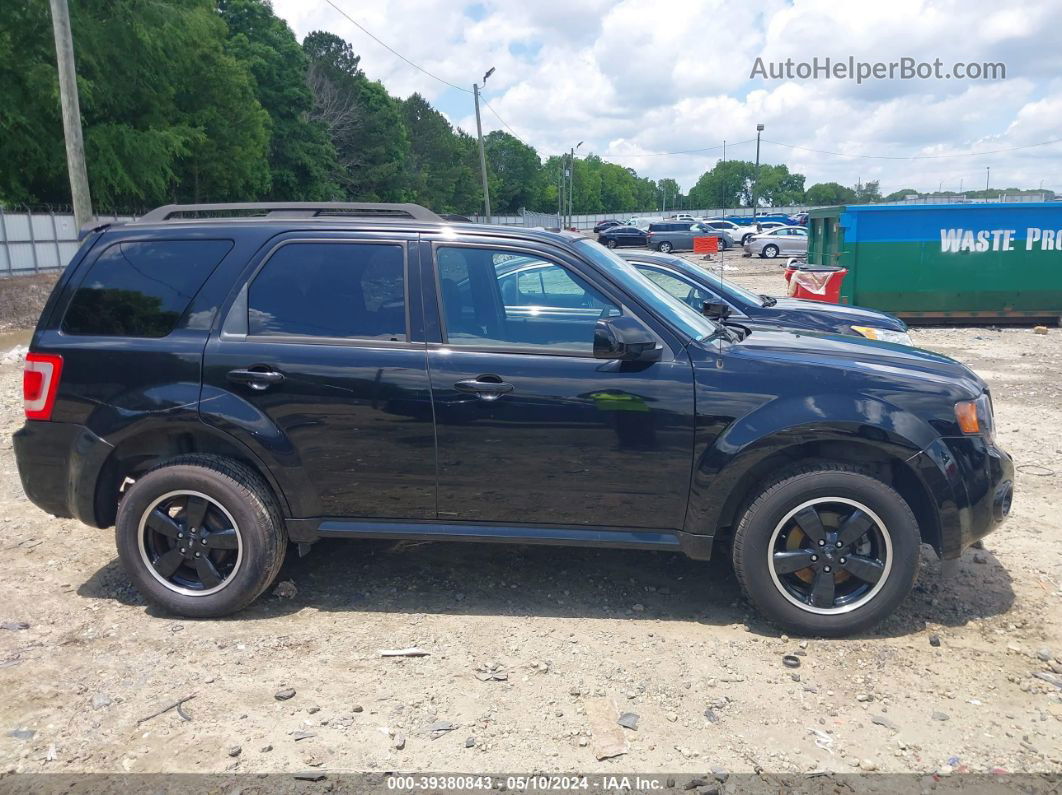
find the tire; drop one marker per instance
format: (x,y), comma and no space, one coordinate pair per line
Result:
(612,242)
(769,537)
(770,251)
(664,248)
(238,566)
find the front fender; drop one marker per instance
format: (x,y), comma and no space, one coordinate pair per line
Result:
(724,462)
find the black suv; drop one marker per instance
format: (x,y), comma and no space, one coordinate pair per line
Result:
(220,380)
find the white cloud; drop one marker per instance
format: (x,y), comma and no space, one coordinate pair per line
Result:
(637,77)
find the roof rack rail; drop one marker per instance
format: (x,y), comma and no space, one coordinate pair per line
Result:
(291,210)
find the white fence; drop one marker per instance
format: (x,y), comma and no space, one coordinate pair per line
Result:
(35,242)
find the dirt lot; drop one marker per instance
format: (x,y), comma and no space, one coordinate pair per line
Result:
(554,634)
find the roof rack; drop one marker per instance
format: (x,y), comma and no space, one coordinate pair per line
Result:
(291,210)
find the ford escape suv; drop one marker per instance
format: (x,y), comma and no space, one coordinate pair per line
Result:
(221,381)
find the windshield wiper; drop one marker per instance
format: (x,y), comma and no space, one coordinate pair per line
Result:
(768,300)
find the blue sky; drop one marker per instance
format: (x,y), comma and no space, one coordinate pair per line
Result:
(637,78)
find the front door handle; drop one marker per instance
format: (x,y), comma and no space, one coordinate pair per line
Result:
(256,379)
(485,387)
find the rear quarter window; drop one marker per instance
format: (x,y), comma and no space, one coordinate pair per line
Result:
(141,288)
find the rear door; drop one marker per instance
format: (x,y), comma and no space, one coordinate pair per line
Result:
(319,364)
(531,428)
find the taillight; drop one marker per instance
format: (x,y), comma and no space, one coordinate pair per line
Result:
(40,382)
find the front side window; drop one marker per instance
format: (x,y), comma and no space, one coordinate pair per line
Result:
(142,288)
(690,294)
(340,290)
(493,298)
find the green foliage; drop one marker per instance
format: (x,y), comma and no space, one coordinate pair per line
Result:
(867,192)
(727,184)
(829,193)
(302,159)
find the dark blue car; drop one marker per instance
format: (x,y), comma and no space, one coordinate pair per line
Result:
(695,285)
(622,235)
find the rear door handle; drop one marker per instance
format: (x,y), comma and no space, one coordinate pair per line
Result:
(256,379)
(485,387)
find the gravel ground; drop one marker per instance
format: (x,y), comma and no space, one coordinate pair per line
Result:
(529,646)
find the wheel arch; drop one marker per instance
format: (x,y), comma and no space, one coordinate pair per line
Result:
(139,451)
(751,472)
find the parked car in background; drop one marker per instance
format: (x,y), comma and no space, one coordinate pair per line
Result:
(600,226)
(767,226)
(641,222)
(684,217)
(678,235)
(622,235)
(738,232)
(695,285)
(800,219)
(787,240)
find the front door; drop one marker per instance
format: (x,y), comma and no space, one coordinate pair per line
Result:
(531,428)
(316,363)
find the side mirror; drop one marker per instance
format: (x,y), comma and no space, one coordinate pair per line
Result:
(626,339)
(717,310)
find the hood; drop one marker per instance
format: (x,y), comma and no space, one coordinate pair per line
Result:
(838,315)
(880,359)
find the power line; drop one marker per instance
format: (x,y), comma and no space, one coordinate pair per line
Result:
(915,157)
(393,50)
(678,152)
(503,121)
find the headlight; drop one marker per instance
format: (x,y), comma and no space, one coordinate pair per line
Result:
(883,334)
(975,416)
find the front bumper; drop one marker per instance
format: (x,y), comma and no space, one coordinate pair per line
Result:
(59,464)
(972,483)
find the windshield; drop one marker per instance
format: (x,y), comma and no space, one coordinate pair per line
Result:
(680,314)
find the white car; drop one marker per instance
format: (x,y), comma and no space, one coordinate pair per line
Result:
(788,240)
(641,223)
(767,226)
(739,233)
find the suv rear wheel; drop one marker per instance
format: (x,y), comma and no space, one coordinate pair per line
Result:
(827,550)
(664,247)
(200,535)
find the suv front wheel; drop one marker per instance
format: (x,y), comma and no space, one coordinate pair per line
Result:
(827,550)
(200,536)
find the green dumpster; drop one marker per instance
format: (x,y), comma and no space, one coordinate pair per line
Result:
(926,262)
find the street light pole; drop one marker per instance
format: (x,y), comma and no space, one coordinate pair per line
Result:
(482,155)
(756,179)
(75,144)
(988,173)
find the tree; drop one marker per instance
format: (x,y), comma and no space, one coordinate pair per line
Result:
(829,193)
(777,187)
(867,192)
(727,184)
(897,196)
(302,159)
(442,173)
(174,114)
(374,149)
(513,169)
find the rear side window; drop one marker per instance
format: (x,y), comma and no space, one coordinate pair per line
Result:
(341,290)
(142,288)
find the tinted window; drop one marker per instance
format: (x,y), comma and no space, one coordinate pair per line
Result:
(141,289)
(694,296)
(493,298)
(348,290)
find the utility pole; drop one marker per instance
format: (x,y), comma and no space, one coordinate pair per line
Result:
(722,181)
(75,144)
(756,179)
(571,185)
(482,155)
(988,173)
